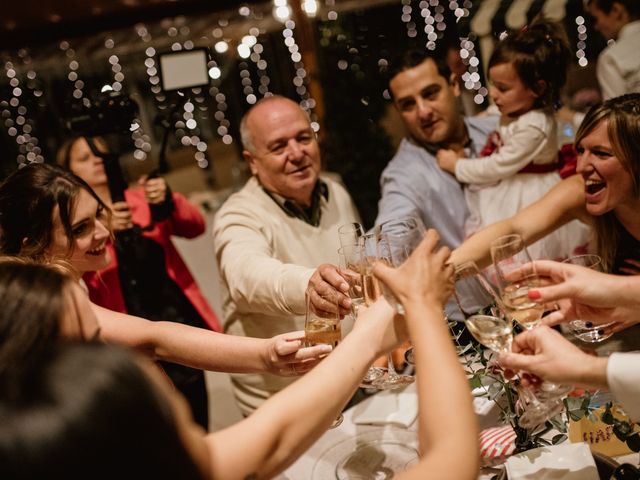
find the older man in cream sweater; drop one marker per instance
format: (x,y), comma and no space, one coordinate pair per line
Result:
(277,237)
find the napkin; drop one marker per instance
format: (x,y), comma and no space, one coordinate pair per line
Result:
(567,461)
(399,407)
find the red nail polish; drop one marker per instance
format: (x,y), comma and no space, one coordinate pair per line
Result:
(534,294)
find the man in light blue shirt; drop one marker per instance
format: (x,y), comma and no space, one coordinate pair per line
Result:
(425,94)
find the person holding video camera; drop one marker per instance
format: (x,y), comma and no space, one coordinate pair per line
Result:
(146,275)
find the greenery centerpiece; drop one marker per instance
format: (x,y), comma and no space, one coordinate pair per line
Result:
(485,376)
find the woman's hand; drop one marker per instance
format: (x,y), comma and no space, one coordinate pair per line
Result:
(425,276)
(545,354)
(121,217)
(155,189)
(585,294)
(286,355)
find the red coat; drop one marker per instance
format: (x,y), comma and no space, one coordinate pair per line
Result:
(185,221)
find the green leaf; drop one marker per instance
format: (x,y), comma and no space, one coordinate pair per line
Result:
(475,381)
(559,424)
(574,407)
(561,437)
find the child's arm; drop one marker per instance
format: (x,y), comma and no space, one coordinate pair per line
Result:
(447,160)
(515,153)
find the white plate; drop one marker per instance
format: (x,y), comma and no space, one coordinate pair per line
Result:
(372,455)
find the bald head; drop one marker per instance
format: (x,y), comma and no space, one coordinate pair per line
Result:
(281,148)
(246,136)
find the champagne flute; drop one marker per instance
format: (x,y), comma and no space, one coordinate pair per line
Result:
(403,235)
(399,238)
(322,327)
(350,268)
(375,249)
(350,233)
(509,255)
(582,329)
(495,331)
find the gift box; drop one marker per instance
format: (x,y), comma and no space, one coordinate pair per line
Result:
(599,435)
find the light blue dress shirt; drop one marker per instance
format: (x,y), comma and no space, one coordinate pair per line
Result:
(413,184)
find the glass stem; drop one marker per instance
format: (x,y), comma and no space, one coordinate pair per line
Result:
(390,368)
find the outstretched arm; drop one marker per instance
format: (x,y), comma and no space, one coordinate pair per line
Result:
(422,284)
(563,203)
(288,423)
(208,350)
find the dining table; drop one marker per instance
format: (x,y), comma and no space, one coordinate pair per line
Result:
(386,445)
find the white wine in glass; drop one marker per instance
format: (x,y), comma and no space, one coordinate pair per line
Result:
(323,328)
(519,306)
(496,334)
(372,291)
(493,332)
(509,255)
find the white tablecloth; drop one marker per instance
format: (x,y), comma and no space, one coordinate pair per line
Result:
(303,468)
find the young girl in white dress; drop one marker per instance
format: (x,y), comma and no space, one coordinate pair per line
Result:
(520,162)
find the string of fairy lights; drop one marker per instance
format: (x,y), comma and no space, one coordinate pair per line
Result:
(581,45)
(14,112)
(252,60)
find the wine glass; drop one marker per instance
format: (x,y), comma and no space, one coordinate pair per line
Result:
(495,331)
(350,268)
(402,235)
(322,327)
(350,233)
(375,248)
(583,329)
(509,255)
(398,239)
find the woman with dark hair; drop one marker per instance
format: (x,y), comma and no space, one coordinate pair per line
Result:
(604,194)
(47,294)
(146,276)
(92,411)
(48,214)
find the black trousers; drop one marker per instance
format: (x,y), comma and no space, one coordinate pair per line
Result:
(191,383)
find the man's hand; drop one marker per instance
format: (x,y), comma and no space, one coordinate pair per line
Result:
(121,217)
(447,160)
(286,355)
(326,282)
(155,189)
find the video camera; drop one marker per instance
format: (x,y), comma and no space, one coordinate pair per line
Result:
(111,112)
(110,115)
